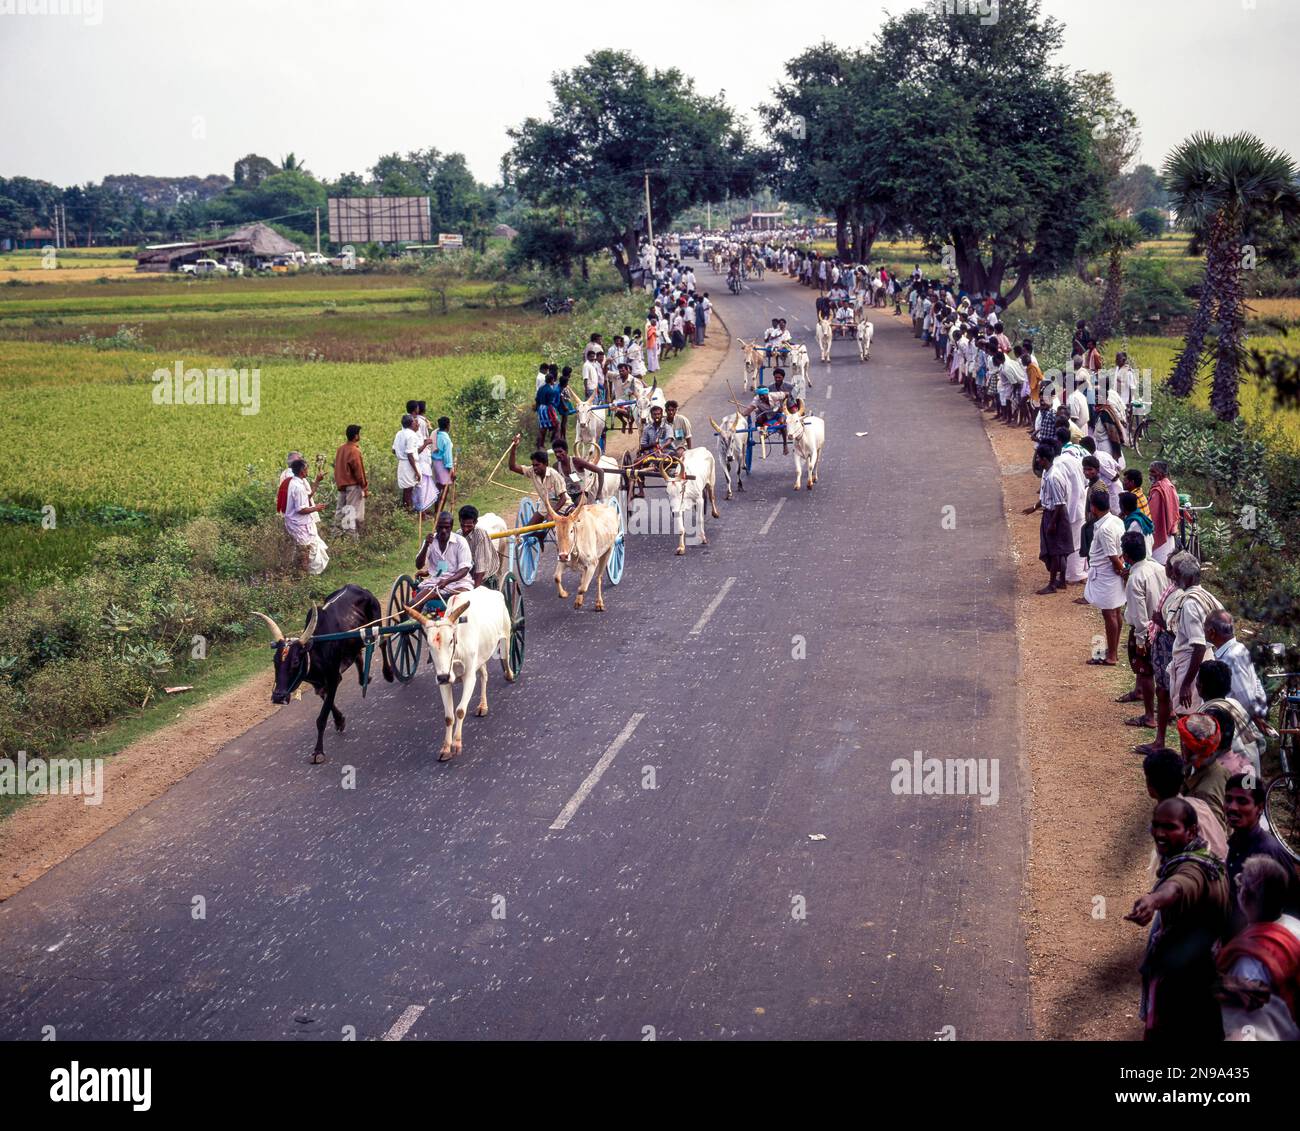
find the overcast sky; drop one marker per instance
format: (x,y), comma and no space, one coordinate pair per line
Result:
(176,87)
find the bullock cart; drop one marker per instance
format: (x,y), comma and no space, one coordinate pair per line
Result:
(403,643)
(528,539)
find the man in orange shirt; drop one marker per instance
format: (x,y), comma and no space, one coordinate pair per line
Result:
(350,479)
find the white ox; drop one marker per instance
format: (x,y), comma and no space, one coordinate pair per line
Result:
(800,382)
(864,333)
(732,433)
(825,338)
(475,626)
(646,397)
(754,360)
(584,539)
(808,435)
(688,492)
(591,424)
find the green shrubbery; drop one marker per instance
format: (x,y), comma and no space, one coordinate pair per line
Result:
(83,650)
(1252,476)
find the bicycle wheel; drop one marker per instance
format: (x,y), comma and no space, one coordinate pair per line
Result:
(1282,806)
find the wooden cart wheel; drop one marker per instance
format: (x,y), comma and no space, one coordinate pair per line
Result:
(512,656)
(528,550)
(403,647)
(614,566)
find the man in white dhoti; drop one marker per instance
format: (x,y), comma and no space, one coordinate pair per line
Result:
(407,446)
(1076,569)
(1106,572)
(300,520)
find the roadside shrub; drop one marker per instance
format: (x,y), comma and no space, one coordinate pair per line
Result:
(244,506)
(74,695)
(1152,293)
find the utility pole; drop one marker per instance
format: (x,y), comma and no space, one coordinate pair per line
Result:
(649,224)
(708,215)
(318,231)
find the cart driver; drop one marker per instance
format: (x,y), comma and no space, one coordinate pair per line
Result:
(444,564)
(547,483)
(768,404)
(572,468)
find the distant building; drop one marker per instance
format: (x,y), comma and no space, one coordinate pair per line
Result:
(255,244)
(35,237)
(505,231)
(761,221)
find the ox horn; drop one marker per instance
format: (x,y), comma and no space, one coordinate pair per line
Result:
(453,615)
(310,630)
(419,616)
(275,628)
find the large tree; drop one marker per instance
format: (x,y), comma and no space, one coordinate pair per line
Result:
(612,121)
(995,154)
(832,131)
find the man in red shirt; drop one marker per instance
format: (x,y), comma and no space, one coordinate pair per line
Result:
(1164,511)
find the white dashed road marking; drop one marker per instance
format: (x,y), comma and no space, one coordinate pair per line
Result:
(771,518)
(828,392)
(589,782)
(403,1024)
(712,607)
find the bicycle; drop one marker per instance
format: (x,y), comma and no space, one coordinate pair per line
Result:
(1282,794)
(1144,429)
(1188,537)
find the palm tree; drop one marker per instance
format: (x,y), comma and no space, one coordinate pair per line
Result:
(1216,184)
(1112,237)
(1190,179)
(1254,179)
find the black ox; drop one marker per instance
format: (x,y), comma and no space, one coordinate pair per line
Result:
(322,663)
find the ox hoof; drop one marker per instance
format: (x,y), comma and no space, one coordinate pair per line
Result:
(796,486)
(599,606)
(681,551)
(318,757)
(561,594)
(446,755)
(480,711)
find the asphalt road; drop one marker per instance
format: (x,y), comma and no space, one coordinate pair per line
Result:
(741,701)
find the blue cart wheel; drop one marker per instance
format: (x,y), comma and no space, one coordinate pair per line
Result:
(403,648)
(614,567)
(528,550)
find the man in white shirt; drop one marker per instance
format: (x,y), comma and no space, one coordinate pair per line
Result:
(1077,402)
(1185,613)
(593,374)
(445,562)
(1247,689)
(407,446)
(1105,586)
(1145,582)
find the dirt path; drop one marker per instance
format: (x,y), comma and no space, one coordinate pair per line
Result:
(1089,808)
(46,832)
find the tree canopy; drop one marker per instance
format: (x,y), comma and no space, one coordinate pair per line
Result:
(611,122)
